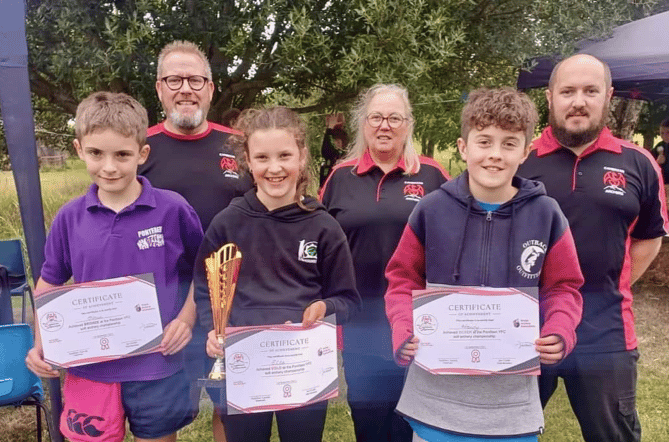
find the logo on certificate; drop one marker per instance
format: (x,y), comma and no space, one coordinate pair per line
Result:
(52,321)
(104,344)
(426,324)
(476,356)
(287,390)
(238,362)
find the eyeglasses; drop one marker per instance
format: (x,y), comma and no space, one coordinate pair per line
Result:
(174,82)
(394,120)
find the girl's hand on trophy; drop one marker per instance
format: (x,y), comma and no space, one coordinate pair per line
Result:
(175,336)
(213,348)
(314,312)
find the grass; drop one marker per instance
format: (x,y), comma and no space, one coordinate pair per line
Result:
(651,306)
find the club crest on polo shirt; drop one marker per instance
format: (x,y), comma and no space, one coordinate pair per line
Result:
(413,190)
(229,165)
(308,251)
(150,238)
(530,259)
(614,181)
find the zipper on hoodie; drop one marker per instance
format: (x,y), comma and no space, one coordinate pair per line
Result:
(485,255)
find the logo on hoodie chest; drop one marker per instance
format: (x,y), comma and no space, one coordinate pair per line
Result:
(308,251)
(531,259)
(413,190)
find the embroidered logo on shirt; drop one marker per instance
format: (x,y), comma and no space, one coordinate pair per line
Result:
(150,238)
(530,264)
(229,165)
(614,181)
(413,190)
(308,251)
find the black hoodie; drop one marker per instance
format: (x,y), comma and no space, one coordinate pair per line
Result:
(291,257)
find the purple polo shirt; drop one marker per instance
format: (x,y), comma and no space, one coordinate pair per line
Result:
(159,233)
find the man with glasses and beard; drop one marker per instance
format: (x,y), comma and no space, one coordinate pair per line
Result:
(190,156)
(613,196)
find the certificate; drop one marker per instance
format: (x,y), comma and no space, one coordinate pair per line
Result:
(477,330)
(99,321)
(277,367)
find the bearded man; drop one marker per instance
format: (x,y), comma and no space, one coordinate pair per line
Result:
(613,195)
(191,156)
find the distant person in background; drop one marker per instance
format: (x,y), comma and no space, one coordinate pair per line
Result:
(660,151)
(334,145)
(371,195)
(190,156)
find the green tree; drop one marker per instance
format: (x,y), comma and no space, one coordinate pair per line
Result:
(314,54)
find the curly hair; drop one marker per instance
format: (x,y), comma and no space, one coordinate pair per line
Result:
(504,107)
(278,117)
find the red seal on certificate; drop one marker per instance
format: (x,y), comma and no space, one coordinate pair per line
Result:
(476,356)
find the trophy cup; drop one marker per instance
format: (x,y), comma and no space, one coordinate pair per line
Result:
(222,268)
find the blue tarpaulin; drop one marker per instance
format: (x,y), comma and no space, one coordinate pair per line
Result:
(636,52)
(19,129)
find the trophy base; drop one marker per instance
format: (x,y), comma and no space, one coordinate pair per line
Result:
(218,370)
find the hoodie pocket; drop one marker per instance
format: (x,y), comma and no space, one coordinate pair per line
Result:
(479,391)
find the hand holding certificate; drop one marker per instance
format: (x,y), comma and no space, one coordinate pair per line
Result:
(277,367)
(99,321)
(477,330)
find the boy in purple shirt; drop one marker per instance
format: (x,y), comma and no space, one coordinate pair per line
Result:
(123,226)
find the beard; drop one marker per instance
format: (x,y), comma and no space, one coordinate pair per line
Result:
(571,139)
(186,122)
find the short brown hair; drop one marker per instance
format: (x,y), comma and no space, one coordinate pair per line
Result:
(186,47)
(505,108)
(111,111)
(278,117)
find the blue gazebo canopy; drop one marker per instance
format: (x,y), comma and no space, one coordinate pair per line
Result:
(636,52)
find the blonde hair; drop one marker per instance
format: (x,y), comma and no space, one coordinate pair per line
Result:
(111,111)
(185,47)
(504,107)
(278,117)
(359,118)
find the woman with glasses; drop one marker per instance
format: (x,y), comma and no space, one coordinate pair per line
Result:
(371,194)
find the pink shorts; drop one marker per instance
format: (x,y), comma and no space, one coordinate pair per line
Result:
(92,411)
(97,411)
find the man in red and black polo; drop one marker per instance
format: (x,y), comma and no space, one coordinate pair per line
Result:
(191,156)
(613,195)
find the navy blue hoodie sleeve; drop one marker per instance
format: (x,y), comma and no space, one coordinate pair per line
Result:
(336,267)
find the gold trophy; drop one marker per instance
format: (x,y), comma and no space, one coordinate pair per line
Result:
(222,268)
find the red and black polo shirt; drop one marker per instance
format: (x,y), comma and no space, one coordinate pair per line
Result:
(611,193)
(373,207)
(202,168)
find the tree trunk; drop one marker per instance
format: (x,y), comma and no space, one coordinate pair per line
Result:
(428,149)
(623,117)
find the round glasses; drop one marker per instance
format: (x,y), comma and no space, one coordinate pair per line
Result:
(174,82)
(394,120)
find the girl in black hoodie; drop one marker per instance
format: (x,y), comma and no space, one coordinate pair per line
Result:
(296,263)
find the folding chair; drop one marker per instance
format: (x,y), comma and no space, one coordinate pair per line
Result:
(18,385)
(11,256)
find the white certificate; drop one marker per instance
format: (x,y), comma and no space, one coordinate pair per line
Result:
(99,321)
(277,367)
(477,330)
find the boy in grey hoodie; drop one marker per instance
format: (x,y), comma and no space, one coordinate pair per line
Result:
(473,231)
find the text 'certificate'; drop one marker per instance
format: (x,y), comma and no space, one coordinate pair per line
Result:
(99,321)
(477,330)
(277,367)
